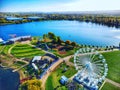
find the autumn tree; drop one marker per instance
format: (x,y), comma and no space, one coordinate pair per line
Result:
(68,42)
(31,85)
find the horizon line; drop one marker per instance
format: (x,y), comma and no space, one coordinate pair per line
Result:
(55,11)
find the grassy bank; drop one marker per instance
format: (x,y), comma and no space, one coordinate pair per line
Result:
(108,86)
(113,61)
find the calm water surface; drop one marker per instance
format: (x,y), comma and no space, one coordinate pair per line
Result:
(8,79)
(80,32)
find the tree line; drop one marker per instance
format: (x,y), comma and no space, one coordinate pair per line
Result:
(111,21)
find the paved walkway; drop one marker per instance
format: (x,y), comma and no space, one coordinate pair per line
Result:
(112,82)
(19,68)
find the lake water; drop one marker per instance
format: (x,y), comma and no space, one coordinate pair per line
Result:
(8,79)
(80,32)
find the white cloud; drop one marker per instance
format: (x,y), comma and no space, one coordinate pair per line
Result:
(76,5)
(85,5)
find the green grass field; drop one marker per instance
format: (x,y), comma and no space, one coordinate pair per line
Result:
(4,52)
(72,60)
(113,61)
(53,80)
(25,50)
(1,47)
(5,49)
(108,86)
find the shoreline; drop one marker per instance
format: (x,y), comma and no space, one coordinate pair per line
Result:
(2,24)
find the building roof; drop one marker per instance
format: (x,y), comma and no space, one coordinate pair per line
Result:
(35,17)
(34,66)
(64,78)
(36,58)
(18,38)
(13,18)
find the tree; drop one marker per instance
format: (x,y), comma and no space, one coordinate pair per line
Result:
(68,42)
(51,35)
(31,85)
(45,37)
(73,44)
(59,40)
(55,40)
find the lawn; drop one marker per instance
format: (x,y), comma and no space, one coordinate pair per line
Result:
(53,80)
(72,59)
(113,61)
(108,86)
(25,50)
(18,64)
(1,47)
(4,55)
(5,49)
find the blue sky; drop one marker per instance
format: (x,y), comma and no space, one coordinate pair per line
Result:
(57,5)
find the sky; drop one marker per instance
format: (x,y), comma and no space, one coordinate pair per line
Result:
(58,5)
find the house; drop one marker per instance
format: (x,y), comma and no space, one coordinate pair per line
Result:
(63,80)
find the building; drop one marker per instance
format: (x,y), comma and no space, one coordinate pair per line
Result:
(34,66)
(14,18)
(35,18)
(36,58)
(63,80)
(19,39)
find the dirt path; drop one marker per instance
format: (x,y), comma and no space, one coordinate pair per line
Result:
(112,82)
(9,51)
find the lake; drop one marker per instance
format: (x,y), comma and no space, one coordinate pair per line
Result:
(80,32)
(9,80)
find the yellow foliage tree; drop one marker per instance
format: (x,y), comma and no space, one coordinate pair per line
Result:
(31,85)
